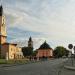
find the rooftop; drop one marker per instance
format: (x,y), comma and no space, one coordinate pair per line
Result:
(45,46)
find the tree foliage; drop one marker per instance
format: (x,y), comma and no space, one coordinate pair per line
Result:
(34,53)
(27,51)
(60,51)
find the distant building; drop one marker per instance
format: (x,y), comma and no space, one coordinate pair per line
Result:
(44,52)
(27,51)
(7,50)
(30,43)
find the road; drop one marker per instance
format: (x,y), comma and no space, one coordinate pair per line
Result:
(51,67)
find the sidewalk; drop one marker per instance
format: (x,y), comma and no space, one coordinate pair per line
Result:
(70,64)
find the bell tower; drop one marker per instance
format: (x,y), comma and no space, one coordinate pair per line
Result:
(30,43)
(2,27)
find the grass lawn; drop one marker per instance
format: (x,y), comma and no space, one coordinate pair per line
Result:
(2,61)
(20,61)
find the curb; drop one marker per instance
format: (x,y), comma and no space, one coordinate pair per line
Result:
(69,68)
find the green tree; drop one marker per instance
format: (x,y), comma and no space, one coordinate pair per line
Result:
(27,51)
(66,53)
(60,51)
(34,53)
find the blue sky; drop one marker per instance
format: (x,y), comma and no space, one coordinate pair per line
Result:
(51,20)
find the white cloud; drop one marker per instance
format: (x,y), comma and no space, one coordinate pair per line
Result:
(53,19)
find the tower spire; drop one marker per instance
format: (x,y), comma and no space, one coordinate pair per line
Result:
(30,39)
(1,10)
(30,42)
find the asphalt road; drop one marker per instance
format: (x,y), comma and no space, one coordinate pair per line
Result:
(51,67)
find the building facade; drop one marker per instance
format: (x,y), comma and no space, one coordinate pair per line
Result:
(7,50)
(44,52)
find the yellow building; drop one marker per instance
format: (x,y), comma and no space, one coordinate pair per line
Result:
(7,50)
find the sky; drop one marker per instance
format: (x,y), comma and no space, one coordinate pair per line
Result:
(50,20)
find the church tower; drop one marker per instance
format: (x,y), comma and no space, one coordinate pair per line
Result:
(30,43)
(2,27)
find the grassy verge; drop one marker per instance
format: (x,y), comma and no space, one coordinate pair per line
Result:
(20,61)
(2,61)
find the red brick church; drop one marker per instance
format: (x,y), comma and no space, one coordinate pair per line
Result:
(44,52)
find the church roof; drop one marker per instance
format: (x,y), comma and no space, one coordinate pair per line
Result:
(30,39)
(45,46)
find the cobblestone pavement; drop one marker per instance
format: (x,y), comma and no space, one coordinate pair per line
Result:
(51,67)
